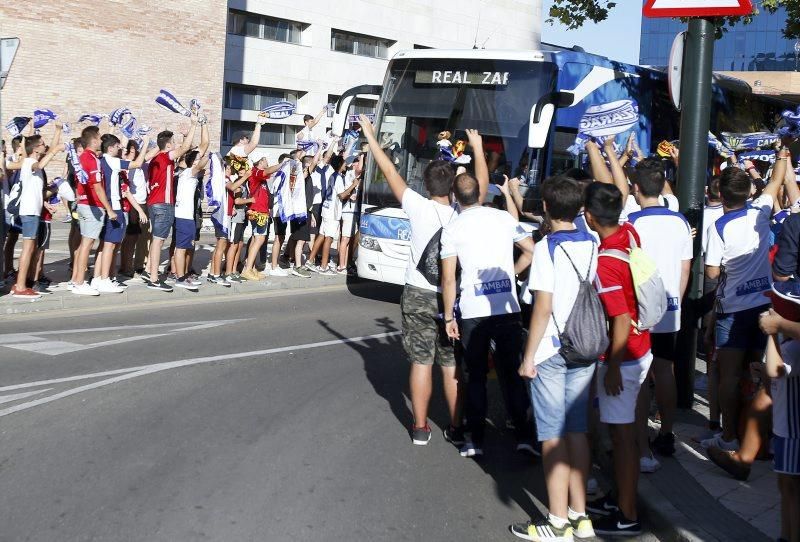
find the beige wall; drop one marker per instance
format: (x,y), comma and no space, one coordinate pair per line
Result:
(85,56)
(771,82)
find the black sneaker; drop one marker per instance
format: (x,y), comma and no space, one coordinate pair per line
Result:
(420,435)
(531,449)
(542,530)
(664,444)
(160,285)
(454,435)
(145,276)
(617,525)
(604,506)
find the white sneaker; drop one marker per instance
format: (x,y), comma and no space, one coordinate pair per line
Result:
(107,287)
(469,449)
(718,442)
(84,289)
(278,272)
(648,464)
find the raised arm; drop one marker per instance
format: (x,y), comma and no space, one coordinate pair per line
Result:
(187,142)
(202,158)
(55,147)
(597,164)
(481,169)
(255,137)
(318,117)
(790,181)
(617,173)
(778,174)
(396,183)
(136,164)
(511,204)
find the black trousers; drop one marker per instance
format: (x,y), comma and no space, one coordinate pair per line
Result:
(507,334)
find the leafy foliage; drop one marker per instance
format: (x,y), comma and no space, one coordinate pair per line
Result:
(575,13)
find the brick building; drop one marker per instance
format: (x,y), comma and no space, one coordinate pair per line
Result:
(78,57)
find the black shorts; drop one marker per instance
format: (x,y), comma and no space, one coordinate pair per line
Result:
(43,236)
(301,230)
(316,212)
(664,345)
(280,226)
(133,227)
(237,232)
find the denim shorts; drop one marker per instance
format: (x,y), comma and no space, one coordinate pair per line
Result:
(162,217)
(259,230)
(560,398)
(30,226)
(114,230)
(90,220)
(740,331)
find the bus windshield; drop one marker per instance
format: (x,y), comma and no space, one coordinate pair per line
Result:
(423,97)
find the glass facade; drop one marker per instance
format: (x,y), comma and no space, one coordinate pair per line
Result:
(359,44)
(271,134)
(253,25)
(256,98)
(759,46)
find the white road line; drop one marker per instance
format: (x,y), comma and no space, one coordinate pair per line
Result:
(68,379)
(18,396)
(133,372)
(118,328)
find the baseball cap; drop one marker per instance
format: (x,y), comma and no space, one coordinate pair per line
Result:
(785,298)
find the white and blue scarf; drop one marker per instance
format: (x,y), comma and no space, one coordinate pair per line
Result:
(217,194)
(42,117)
(291,202)
(16,125)
(169,102)
(602,121)
(279,110)
(81,176)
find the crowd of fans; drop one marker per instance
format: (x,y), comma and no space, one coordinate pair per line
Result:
(603,279)
(128,200)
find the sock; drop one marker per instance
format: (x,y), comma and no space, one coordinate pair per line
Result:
(556,521)
(573,515)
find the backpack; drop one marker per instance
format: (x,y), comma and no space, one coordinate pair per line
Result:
(14,195)
(585,335)
(651,296)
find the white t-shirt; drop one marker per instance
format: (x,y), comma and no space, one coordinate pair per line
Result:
(317,176)
(349,206)
(710,215)
(786,394)
(331,204)
(667,238)
(31,197)
(631,206)
(739,242)
(551,271)
(483,239)
(426,217)
(138,184)
(306,134)
(582,225)
(184,197)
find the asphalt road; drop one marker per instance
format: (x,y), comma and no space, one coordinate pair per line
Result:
(277,418)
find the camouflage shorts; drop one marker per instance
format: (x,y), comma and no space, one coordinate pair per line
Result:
(424,337)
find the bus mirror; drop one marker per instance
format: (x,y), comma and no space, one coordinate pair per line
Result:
(542,116)
(340,117)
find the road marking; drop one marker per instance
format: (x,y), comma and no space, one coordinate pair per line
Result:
(134,372)
(23,395)
(31,342)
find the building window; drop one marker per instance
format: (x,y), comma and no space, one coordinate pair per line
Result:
(271,134)
(256,98)
(254,25)
(359,106)
(359,44)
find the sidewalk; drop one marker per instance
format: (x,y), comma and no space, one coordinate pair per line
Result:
(692,499)
(56,268)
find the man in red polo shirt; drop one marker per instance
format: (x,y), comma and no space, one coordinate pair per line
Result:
(92,208)
(161,199)
(621,374)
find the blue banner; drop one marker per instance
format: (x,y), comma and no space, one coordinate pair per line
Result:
(385,227)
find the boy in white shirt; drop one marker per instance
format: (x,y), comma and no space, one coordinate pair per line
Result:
(667,238)
(738,248)
(31,201)
(559,390)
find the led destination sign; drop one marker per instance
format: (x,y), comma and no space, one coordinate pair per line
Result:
(461,77)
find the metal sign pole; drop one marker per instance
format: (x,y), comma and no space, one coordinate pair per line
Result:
(695,118)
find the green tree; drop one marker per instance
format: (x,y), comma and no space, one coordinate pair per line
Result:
(575,13)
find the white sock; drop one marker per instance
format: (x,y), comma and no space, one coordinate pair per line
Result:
(573,515)
(556,521)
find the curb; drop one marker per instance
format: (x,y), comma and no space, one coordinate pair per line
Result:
(138,294)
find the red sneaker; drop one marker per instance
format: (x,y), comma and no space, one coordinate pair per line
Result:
(26,293)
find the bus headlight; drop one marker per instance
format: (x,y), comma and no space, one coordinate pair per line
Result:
(370,243)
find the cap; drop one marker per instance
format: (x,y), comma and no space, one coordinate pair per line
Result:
(785,298)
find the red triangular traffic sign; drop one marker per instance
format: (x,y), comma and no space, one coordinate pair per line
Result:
(697,8)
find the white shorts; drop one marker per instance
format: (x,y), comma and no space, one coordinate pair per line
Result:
(347,224)
(329,228)
(621,409)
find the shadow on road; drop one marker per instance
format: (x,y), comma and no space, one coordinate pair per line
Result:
(516,476)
